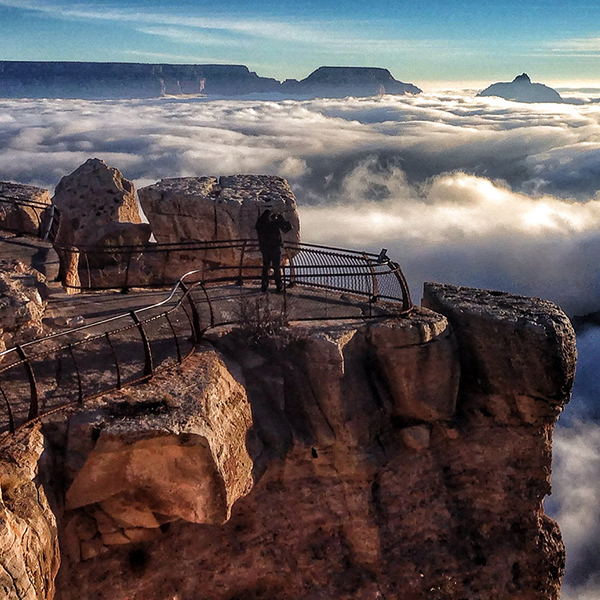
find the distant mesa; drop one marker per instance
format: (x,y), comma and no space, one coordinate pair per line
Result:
(96,81)
(335,82)
(520,89)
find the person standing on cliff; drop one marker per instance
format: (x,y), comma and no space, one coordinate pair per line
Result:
(269,227)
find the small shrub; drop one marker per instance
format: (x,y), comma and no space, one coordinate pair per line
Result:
(261,316)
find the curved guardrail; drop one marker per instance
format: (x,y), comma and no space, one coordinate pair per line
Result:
(159,265)
(64,369)
(68,368)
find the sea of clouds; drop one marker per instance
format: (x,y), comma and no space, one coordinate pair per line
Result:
(473,191)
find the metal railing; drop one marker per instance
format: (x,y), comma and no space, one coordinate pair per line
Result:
(65,369)
(159,265)
(68,368)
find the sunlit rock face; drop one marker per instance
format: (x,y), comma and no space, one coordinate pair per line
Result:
(402,458)
(98,206)
(521,89)
(210,208)
(188,209)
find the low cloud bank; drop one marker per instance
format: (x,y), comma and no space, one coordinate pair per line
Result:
(464,229)
(575,500)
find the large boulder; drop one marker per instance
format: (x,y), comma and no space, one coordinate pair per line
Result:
(139,462)
(208,209)
(91,200)
(517,353)
(22,208)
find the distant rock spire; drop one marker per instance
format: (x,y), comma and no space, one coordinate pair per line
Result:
(523,78)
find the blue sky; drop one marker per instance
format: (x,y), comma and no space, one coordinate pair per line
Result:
(419,41)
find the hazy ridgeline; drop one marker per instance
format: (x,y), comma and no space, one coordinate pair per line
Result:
(465,190)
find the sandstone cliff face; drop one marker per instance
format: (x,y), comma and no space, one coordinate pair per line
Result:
(402,458)
(29,555)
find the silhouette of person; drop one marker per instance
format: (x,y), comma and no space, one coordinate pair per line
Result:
(268,230)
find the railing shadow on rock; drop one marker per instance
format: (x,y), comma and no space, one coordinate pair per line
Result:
(66,369)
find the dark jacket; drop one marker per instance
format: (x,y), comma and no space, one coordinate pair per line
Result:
(268,230)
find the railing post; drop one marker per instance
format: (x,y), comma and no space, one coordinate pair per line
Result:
(11,420)
(375,294)
(179,359)
(196,329)
(210,307)
(240,280)
(88,268)
(406,299)
(79,382)
(148,363)
(291,268)
(125,288)
(116,359)
(34,407)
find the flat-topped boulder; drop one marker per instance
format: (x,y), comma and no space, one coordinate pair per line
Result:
(514,348)
(22,208)
(209,208)
(188,209)
(521,89)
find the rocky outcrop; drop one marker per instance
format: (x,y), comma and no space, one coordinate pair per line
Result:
(403,458)
(23,292)
(496,332)
(22,79)
(97,205)
(520,89)
(29,555)
(338,82)
(22,208)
